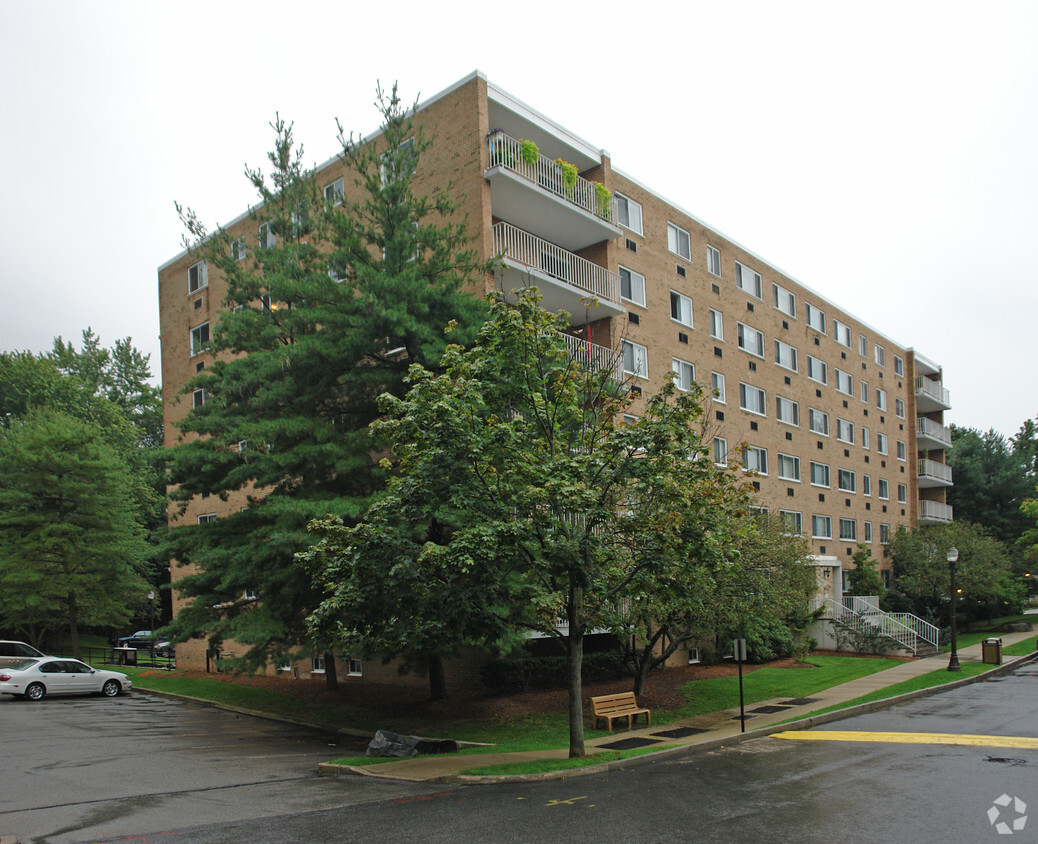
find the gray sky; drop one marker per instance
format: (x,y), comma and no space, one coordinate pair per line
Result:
(884,154)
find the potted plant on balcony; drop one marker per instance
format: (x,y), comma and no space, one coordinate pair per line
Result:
(529,152)
(569,174)
(605,201)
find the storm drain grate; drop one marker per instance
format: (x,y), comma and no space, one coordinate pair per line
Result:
(629,743)
(799,701)
(680,732)
(767,710)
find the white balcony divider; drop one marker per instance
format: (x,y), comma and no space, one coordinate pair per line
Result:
(932,430)
(593,356)
(507,152)
(909,631)
(538,254)
(932,469)
(936,511)
(933,389)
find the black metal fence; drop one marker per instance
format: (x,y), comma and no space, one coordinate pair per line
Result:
(140,657)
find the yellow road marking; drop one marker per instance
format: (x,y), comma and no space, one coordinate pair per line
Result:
(569,802)
(1026,742)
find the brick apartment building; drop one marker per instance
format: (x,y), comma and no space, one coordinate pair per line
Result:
(843,424)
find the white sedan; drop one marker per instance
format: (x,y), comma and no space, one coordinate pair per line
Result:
(34,679)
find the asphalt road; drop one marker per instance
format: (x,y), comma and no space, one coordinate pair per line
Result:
(253,781)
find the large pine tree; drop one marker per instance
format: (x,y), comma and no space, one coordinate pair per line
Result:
(328,314)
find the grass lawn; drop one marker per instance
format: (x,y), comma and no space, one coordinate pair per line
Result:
(964,640)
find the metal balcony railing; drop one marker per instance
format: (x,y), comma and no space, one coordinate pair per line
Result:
(508,152)
(932,430)
(593,356)
(523,248)
(932,389)
(934,511)
(933,469)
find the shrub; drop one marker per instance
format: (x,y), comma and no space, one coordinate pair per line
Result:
(510,676)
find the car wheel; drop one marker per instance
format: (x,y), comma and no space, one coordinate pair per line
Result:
(35,691)
(111,688)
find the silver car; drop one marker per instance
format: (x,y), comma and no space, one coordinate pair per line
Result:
(34,679)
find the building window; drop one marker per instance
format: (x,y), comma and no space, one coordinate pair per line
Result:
(199,338)
(680,309)
(678,242)
(845,480)
(713,261)
(717,382)
(902,493)
(787,410)
(720,451)
(318,665)
(865,391)
(845,431)
(842,333)
(820,474)
(632,286)
(866,484)
(716,325)
(817,370)
(902,451)
(755,459)
(266,238)
(785,355)
(207,518)
(881,355)
(884,490)
(863,346)
(355,668)
(849,530)
(789,467)
(199,397)
(881,443)
(899,366)
(238,248)
(815,318)
(864,437)
(751,399)
(400,165)
(628,213)
(844,383)
(884,533)
(197,277)
(785,301)
(868,531)
(821,527)
(686,373)
(792,522)
(693,656)
(750,340)
(899,408)
(881,399)
(747,280)
(635,359)
(250,594)
(818,421)
(333,192)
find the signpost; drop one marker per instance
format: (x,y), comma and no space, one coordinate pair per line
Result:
(739,649)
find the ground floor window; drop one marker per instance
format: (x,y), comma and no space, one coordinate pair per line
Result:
(693,656)
(355,668)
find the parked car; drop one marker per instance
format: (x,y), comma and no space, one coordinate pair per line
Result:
(10,648)
(35,678)
(142,639)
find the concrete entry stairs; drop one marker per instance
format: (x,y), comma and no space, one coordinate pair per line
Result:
(862,615)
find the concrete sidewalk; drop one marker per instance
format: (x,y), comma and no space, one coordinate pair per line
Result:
(702,729)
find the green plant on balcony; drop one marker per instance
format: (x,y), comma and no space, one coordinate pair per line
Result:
(605,200)
(529,152)
(569,174)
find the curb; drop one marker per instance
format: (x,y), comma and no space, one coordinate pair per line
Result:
(714,744)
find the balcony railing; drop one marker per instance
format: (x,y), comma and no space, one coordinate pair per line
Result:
(927,429)
(934,471)
(933,390)
(933,512)
(593,356)
(523,248)
(508,152)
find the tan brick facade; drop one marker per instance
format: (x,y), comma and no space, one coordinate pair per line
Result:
(852,353)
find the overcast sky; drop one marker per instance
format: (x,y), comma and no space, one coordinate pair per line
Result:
(883,154)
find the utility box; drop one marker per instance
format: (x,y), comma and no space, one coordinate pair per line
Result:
(991,650)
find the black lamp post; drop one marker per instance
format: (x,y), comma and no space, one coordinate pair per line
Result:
(953,558)
(151,602)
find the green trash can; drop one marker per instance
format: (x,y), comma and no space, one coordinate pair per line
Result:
(991,650)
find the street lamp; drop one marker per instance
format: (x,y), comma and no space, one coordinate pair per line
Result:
(151,602)
(953,558)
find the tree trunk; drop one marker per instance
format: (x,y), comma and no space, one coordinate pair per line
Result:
(437,681)
(331,679)
(575,660)
(73,624)
(642,674)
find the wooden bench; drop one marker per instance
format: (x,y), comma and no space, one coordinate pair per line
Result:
(611,707)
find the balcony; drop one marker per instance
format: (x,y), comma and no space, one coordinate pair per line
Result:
(930,395)
(931,435)
(535,197)
(566,281)
(931,473)
(934,512)
(593,356)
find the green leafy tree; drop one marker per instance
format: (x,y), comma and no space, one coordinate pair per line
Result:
(519,498)
(864,577)
(319,321)
(71,539)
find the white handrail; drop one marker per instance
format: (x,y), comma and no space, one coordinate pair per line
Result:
(904,628)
